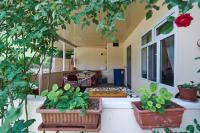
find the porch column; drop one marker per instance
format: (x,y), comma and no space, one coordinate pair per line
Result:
(40,75)
(64,56)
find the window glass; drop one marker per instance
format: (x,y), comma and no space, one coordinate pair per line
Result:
(166,28)
(144,62)
(152,59)
(167,61)
(147,38)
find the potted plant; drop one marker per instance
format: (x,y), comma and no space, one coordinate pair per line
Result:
(188,91)
(156,110)
(68,107)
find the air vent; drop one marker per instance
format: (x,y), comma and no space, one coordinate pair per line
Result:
(115,44)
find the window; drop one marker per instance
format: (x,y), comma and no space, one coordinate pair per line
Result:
(147,38)
(152,62)
(144,62)
(167,61)
(157,54)
(167,25)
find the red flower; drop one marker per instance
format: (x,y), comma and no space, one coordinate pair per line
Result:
(184,20)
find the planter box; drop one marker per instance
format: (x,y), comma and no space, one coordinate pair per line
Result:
(55,118)
(188,93)
(148,120)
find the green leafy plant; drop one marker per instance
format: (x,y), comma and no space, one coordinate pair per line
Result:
(192,128)
(59,54)
(190,85)
(154,101)
(67,98)
(28,30)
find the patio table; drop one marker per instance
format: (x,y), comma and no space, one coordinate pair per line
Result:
(85,79)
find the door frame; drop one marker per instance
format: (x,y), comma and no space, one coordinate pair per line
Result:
(127,48)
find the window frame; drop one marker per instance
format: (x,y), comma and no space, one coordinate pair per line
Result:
(157,39)
(145,46)
(153,43)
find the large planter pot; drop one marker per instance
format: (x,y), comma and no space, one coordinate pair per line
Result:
(55,118)
(188,93)
(148,120)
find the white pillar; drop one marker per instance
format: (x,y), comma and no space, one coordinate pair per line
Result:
(41,67)
(64,56)
(40,76)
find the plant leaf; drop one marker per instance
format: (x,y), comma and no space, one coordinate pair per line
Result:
(190,128)
(153,87)
(149,14)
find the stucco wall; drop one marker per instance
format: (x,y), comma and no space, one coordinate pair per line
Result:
(185,49)
(100,58)
(114,60)
(90,58)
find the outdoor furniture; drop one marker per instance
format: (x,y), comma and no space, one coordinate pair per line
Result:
(72,80)
(83,79)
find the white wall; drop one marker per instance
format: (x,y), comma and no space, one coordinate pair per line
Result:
(185,50)
(114,60)
(57,65)
(90,58)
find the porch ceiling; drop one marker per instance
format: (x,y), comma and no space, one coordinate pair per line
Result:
(89,37)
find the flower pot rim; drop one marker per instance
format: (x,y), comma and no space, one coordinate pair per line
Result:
(188,88)
(178,108)
(40,109)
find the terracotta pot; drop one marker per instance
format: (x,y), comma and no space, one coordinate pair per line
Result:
(35,91)
(188,93)
(55,118)
(148,120)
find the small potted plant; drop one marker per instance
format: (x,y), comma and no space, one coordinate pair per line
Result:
(69,107)
(188,91)
(156,110)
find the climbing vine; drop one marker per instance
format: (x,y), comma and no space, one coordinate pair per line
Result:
(28,30)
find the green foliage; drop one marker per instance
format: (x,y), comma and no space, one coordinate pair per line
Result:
(67,98)
(59,54)
(197,58)
(168,26)
(21,126)
(183,5)
(28,30)
(190,85)
(11,123)
(195,128)
(150,100)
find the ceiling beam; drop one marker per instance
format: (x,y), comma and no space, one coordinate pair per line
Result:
(67,41)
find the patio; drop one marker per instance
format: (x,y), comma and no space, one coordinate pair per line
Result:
(149,59)
(117,116)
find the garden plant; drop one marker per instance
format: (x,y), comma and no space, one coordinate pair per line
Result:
(67,98)
(28,30)
(154,101)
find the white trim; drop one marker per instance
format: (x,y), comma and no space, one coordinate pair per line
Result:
(74,57)
(156,39)
(64,56)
